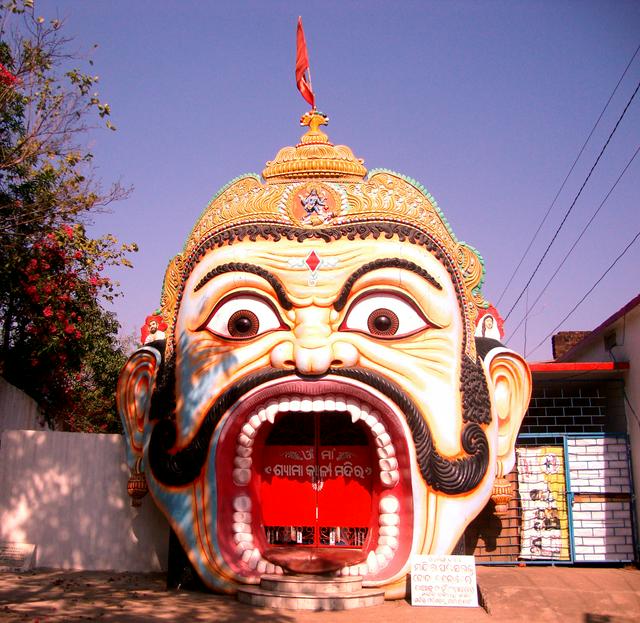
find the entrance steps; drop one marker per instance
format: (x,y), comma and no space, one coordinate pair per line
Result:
(310,592)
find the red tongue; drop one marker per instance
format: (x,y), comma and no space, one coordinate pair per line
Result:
(314,559)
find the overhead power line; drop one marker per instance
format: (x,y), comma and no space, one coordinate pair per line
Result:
(575,200)
(544,218)
(542,222)
(554,274)
(591,289)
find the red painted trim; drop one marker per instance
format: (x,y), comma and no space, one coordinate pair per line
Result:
(585,366)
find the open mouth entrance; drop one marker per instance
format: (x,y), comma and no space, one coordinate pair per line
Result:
(316,482)
(311,476)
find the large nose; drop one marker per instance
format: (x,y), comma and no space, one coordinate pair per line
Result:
(311,351)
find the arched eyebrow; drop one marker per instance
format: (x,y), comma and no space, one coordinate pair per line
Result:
(235,267)
(389,262)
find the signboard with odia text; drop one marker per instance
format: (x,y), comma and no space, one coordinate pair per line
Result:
(17,556)
(443,581)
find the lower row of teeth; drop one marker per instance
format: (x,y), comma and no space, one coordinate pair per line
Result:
(378,559)
(387,462)
(243,538)
(388,532)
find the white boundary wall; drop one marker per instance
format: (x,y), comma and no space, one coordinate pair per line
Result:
(67,494)
(17,410)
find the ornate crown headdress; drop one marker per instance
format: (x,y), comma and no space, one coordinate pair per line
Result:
(320,185)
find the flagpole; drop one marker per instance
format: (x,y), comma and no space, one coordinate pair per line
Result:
(310,85)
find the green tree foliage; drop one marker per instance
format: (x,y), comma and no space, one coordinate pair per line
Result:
(58,343)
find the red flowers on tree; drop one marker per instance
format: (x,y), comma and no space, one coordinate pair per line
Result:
(57,342)
(61,287)
(60,284)
(6,77)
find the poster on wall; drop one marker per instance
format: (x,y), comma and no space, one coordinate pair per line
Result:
(541,481)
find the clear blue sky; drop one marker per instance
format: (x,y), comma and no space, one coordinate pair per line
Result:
(486,103)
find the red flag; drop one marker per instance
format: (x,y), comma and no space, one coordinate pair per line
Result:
(302,66)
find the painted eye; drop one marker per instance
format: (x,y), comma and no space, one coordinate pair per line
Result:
(384,315)
(244,316)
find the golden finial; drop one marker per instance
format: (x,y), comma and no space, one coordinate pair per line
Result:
(314,119)
(314,157)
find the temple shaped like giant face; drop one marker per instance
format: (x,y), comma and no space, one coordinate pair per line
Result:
(320,402)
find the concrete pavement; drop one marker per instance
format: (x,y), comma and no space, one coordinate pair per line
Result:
(509,594)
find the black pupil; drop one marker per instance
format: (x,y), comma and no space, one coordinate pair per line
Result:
(382,323)
(243,324)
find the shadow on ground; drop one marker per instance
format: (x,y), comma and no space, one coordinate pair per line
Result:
(510,595)
(99,596)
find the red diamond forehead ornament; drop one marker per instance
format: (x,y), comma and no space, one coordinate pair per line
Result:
(313,262)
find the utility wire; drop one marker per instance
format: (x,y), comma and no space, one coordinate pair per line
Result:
(544,218)
(530,308)
(573,203)
(633,411)
(593,287)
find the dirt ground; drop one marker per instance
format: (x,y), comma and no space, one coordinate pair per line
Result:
(584,595)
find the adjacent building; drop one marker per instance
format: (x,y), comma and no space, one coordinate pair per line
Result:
(578,455)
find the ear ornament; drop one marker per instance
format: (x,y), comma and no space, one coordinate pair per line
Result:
(501,494)
(137,486)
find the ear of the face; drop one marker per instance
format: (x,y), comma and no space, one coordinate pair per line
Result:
(510,377)
(133,397)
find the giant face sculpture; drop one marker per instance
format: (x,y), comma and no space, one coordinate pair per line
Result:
(320,403)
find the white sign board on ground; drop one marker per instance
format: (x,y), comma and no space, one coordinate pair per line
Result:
(17,556)
(443,581)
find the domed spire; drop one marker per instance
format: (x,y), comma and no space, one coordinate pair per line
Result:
(314,157)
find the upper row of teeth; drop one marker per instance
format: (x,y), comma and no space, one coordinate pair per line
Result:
(359,411)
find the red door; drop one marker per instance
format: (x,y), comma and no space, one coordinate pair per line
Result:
(316,481)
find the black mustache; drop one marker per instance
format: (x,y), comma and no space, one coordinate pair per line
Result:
(183,467)
(440,473)
(451,476)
